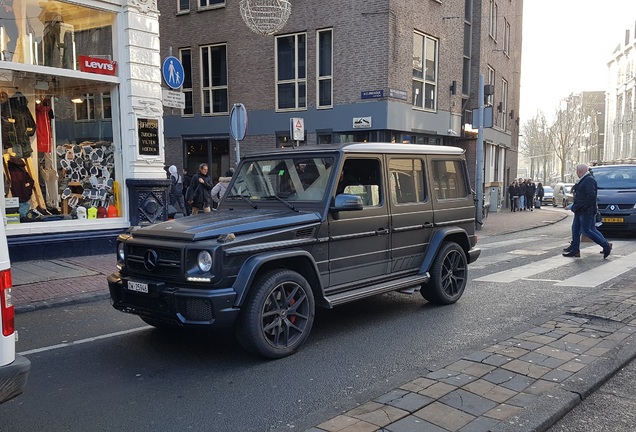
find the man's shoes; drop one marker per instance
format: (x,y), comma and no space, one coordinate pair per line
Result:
(607,250)
(568,249)
(573,254)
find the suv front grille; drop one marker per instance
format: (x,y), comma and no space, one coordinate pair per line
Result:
(194,309)
(619,206)
(154,261)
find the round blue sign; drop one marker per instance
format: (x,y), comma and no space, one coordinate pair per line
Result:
(172,72)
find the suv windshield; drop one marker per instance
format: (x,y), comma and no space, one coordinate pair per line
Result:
(292,179)
(615,177)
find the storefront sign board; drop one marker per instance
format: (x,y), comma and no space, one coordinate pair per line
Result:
(148,136)
(97,65)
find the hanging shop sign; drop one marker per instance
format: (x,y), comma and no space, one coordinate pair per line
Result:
(148,136)
(97,65)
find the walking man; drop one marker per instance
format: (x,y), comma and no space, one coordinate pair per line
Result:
(584,208)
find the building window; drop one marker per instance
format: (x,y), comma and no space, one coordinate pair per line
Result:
(183,6)
(214,79)
(506,48)
(209,3)
(291,72)
(493,20)
(186,88)
(324,73)
(490,100)
(424,71)
(504,104)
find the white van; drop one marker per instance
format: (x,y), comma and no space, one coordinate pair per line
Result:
(14,370)
(562,194)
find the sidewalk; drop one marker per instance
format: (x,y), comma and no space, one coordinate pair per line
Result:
(524,383)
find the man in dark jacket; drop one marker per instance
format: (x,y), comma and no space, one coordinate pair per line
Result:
(522,194)
(584,208)
(530,189)
(198,194)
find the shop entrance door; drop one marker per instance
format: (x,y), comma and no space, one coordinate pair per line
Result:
(213,151)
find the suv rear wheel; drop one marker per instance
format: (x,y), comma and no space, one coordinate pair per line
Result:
(449,274)
(278,314)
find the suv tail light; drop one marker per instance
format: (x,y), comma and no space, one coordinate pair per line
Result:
(6,303)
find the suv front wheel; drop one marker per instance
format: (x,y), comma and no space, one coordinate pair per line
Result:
(278,315)
(449,274)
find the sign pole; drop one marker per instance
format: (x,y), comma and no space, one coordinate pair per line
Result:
(479,175)
(238,143)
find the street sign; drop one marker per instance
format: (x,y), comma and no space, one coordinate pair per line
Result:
(238,122)
(172,72)
(173,99)
(297,128)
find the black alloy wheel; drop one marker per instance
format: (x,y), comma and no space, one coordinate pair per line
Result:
(278,314)
(449,274)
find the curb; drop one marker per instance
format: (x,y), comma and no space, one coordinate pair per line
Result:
(58,302)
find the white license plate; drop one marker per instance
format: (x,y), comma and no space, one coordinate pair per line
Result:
(137,286)
(610,220)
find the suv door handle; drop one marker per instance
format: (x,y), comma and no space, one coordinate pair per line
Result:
(381,231)
(428,225)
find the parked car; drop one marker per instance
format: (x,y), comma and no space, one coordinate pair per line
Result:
(548,195)
(563,194)
(14,369)
(616,196)
(305,227)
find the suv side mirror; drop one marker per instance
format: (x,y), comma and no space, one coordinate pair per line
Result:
(347,202)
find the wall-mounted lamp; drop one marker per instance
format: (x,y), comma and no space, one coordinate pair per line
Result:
(453,87)
(512,114)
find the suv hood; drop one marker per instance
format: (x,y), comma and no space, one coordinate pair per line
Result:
(239,221)
(616,196)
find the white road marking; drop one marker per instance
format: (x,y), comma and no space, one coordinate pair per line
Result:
(613,268)
(82,341)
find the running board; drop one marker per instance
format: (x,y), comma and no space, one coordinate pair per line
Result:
(394,285)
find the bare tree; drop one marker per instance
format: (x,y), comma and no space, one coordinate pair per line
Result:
(535,145)
(565,133)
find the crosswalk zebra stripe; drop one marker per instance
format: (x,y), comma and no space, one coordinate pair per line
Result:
(609,270)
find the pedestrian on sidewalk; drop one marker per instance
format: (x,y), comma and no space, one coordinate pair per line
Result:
(522,194)
(530,190)
(540,192)
(584,208)
(513,193)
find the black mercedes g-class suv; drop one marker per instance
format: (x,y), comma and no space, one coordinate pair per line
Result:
(300,227)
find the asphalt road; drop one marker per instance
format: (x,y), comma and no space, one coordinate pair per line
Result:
(96,369)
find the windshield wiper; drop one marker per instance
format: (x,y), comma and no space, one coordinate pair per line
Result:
(244,198)
(287,203)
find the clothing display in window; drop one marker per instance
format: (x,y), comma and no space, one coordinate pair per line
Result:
(21,181)
(58,43)
(43,117)
(18,125)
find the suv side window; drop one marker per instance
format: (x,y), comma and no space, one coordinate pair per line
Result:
(448,178)
(362,177)
(407,181)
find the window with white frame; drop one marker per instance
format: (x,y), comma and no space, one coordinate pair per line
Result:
(504,104)
(324,73)
(506,47)
(186,87)
(291,72)
(183,6)
(490,99)
(214,79)
(210,3)
(424,71)
(493,19)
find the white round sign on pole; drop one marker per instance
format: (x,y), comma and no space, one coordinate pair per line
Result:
(238,121)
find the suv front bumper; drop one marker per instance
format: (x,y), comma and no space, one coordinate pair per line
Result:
(172,304)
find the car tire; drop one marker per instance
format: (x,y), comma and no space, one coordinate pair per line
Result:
(449,274)
(278,314)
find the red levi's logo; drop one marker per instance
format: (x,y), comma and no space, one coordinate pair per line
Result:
(97,65)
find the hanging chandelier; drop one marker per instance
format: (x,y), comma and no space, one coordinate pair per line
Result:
(265,17)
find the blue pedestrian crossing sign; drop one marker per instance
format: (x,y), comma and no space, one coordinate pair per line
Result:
(172,72)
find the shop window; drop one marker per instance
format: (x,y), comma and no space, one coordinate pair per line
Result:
(88,106)
(56,34)
(291,72)
(214,79)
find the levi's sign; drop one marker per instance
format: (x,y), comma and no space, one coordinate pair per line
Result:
(97,65)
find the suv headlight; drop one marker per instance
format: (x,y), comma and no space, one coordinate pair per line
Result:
(121,256)
(204,261)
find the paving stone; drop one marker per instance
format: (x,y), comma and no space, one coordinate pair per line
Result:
(525,368)
(542,360)
(572,338)
(390,396)
(458,380)
(468,402)
(541,386)
(586,358)
(480,424)
(553,352)
(618,336)
(530,346)
(410,402)
(490,390)
(557,334)
(442,374)
(509,380)
(503,411)
(377,414)
(557,375)
(418,384)
(569,347)
(477,356)
(513,352)
(542,330)
(412,424)
(444,416)
(314,429)
(628,329)
(437,390)
(571,366)
(597,352)
(339,423)
(497,360)
(522,399)
(568,328)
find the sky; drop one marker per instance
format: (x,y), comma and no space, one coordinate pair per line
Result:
(566,47)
